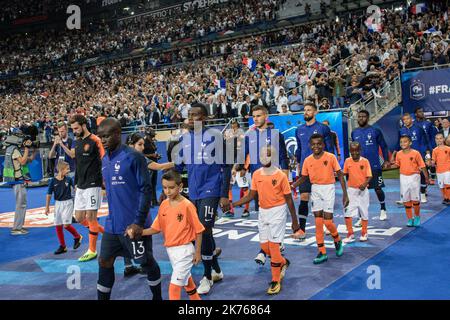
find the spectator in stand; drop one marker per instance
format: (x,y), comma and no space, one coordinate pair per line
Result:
(295,101)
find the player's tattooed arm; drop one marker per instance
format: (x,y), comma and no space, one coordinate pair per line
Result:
(249,197)
(345,199)
(291,206)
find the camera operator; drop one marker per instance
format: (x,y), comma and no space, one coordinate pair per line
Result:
(14,173)
(150,149)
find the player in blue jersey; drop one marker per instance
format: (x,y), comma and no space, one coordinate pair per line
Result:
(262,136)
(371,140)
(201,152)
(431,132)
(128,185)
(302,134)
(420,143)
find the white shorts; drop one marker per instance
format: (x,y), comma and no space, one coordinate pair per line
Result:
(181,260)
(63,212)
(443,179)
(272,224)
(359,203)
(322,197)
(88,199)
(410,187)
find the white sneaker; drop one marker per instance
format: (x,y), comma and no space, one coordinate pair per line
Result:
(358,223)
(216,277)
(423,198)
(349,239)
(327,232)
(383,215)
(260,259)
(364,237)
(205,286)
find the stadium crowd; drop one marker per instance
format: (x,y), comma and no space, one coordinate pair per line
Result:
(60,47)
(332,65)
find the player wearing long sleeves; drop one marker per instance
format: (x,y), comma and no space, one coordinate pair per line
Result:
(420,143)
(371,141)
(201,152)
(128,185)
(262,136)
(302,135)
(431,132)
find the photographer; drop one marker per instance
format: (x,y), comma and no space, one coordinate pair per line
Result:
(150,149)
(14,173)
(58,152)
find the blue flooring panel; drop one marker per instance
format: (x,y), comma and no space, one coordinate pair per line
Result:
(29,270)
(415,267)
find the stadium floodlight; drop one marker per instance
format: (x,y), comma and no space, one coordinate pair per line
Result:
(126,8)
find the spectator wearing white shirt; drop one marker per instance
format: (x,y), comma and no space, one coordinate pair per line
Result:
(281,100)
(184,108)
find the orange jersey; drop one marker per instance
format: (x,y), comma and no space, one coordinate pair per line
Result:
(358,171)
(321,171)
(441,155)
(410,163)
(271,189)
(179,225)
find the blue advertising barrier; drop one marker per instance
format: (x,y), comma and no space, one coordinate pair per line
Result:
(287,124)
(429,89)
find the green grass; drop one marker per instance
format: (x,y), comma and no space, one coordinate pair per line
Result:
(391,174)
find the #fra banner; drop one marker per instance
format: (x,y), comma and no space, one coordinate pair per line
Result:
(287,124)
(427,89)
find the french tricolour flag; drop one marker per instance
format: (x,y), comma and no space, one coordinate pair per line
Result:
(372,26)
(275,72)
(250,63)
(419,8)
(221,84)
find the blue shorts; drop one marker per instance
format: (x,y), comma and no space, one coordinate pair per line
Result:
(207,210)
(114,245)
(377,180)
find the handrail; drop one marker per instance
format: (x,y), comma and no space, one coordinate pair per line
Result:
(434,66)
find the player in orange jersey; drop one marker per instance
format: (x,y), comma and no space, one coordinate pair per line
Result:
(320,168)
(441,160)
(178,221)
(275,199)
(359,174)
(411,164)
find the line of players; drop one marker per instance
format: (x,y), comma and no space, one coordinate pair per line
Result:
(125,177)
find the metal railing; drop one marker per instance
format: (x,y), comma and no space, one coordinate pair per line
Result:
(387,97)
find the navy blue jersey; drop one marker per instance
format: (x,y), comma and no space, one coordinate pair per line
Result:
(253,145)
(61,189)
(418,136)
(205,162)
(62,155)
(128,188)
(430,130)
(371,140)
(303,133)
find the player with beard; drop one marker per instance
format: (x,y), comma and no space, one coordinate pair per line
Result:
(303,134)
(88,154)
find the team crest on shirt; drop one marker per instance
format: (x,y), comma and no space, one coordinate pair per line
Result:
(361,167)
(274,182)
(325,163)
(179,217)
(411,158)
(86,147)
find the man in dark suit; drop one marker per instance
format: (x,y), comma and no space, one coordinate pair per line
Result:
(246,110)
(153,115)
